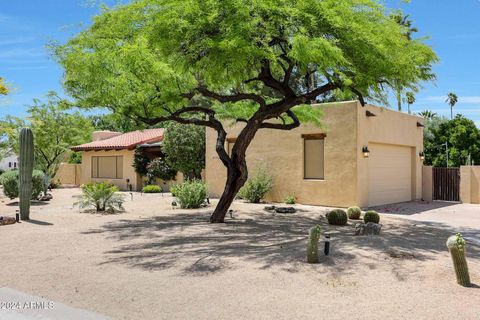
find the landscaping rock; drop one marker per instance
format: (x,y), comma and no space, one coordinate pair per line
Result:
(285,210)
(369,228)
(6,220)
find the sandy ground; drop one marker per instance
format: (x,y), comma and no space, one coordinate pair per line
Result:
(153,262)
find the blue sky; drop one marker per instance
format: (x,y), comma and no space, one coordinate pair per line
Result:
(27,25)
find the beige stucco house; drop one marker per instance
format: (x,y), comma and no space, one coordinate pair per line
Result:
(109,157)
(362,156)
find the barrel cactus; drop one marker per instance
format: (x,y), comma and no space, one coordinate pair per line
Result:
(337,217)
(456,246)
(371,216)
(312,246)
(25,172)
(354,213)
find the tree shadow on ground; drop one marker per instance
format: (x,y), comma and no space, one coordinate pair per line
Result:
(413,207)
(189,242)
(32,203)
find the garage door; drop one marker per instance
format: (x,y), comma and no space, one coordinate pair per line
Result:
(389,174)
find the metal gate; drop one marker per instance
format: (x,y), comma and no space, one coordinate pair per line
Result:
(446,184)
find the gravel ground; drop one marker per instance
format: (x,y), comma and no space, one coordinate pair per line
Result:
(154,262)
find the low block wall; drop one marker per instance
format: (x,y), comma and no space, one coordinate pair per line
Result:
(470,184)
(68,174)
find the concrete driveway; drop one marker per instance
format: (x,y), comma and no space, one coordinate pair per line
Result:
(458,217)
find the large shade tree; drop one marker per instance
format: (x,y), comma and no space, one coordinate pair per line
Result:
(460,134)
(55,131)
(257,62)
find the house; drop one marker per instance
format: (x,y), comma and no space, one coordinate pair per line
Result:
(9,162)
(109,157)
(362,156)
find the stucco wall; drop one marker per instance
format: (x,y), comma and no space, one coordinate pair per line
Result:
(427,183)
(68,174)
(470,184)
(346,170)
(393,128)
(128,170)
(282,153)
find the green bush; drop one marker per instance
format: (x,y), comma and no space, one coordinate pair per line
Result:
(354,213)
(191,194)
(371,216)
(11,181)
(337,217)
(101,196)
(256,187)
(152,189)
(289,200)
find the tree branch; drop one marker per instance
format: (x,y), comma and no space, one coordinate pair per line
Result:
(283,126)
(232,98)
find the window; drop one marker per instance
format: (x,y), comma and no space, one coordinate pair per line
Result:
(9,164)
(107,167)
(313,165)
(14,164)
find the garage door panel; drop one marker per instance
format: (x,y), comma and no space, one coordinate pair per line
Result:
(390,174)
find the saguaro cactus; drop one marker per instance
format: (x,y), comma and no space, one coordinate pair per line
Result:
(456,246)
(312,246)
(25,172)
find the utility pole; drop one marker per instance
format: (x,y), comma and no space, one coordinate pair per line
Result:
(446,150)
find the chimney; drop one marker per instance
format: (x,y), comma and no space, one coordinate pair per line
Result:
(103,135)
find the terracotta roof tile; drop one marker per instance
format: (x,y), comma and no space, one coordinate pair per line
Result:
(127,140)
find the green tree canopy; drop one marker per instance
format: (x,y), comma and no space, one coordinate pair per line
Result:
(184,148)
(54,130)
(153,60)
(3,87)
(462,136)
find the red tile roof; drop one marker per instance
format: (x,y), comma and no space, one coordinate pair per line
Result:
(127,140)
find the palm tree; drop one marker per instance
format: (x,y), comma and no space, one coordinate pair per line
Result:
(410,100)
(406,24)
(427,114)
(452,100)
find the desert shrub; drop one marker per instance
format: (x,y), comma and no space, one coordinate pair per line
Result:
(289,200)
(256,187)
(371,216)
(158,168)
(173,190)
(152,189)
(354,213)
(100,196)
(191,194)
(337,217)
(11,181)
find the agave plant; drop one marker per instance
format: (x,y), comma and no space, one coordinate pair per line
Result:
(101,196)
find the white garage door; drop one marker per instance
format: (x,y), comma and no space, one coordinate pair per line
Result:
(389,174)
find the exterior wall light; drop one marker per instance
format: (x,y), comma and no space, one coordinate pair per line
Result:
(366,152)
(421,155)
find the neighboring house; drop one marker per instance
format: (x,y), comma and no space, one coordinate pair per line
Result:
(109,157)
(9,162)
(362,156)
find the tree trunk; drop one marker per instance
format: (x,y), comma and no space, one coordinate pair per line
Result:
(236,178)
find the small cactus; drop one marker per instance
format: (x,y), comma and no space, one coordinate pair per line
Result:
(371,216)
(25,172)
(312,246)
(456,246)
(354,213)
(337,217)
